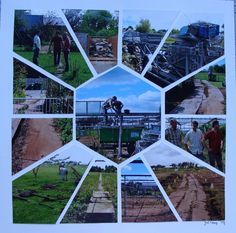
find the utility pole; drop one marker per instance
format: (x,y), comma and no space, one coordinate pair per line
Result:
(120,137)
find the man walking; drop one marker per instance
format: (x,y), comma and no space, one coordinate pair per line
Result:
(36,47)
(193,141)
(215,145)
(66,50)
(173,134)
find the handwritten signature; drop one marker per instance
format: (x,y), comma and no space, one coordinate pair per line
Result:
(213,223)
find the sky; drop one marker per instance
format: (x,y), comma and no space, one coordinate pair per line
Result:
(187,19)
(134,93)
(158,19)
(165,155)
(101,164)
(76,154)
(135,169)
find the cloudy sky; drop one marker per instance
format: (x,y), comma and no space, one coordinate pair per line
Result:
(165,155)
(76,154)
(135,94)
(158,19)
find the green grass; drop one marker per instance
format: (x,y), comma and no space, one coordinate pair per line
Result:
(30,211)
(77,211)
(79,71)
(219,76)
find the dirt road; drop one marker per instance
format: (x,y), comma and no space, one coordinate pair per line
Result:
(206,99)
(190,199)
(37,138)
(213,101)
(146,209)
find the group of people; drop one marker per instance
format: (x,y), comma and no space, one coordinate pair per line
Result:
(61,43)
(194,141)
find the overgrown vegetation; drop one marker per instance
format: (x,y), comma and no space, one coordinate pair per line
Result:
(64,127)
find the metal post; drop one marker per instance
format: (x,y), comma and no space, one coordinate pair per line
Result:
(125,196)
(120,138)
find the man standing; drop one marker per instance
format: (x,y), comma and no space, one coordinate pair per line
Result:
(66,50)
(108,104)
(173,134)
(193,141)
(57,42)
(215,145)
(36,47)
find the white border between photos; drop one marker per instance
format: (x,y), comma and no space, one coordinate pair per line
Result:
(6,62)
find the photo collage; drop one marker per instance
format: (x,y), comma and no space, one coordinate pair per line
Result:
(118,117)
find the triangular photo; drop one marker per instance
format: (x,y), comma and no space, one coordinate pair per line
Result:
(34,93)
(40,195)
(195,41)
(142,200)
(196,192)
(42,38)
(96,200)
(97,32)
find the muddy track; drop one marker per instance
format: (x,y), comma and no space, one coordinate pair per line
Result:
(36,139)
(190,199)
(213,101)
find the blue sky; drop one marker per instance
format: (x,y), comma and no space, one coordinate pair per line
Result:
(134,93)
(135,169)
(158,19)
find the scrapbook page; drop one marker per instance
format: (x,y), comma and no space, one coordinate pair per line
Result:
(117,116)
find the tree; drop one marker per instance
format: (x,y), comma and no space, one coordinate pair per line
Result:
(144,26)
(74,18)
(99,22)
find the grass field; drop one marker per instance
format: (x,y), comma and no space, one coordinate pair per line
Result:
(78,73)
(219,76)
(77,211)
(35,209)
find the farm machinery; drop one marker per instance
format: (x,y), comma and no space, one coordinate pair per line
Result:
(193,46)
(138,47)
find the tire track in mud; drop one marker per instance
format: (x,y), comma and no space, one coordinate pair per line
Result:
(190,199)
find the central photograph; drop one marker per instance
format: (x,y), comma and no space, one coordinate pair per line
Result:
(118,115)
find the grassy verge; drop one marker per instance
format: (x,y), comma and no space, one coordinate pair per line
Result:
(78,73)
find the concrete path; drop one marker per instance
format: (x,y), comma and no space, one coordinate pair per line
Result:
(192,103)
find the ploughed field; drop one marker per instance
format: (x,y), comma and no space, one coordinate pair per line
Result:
(196,193)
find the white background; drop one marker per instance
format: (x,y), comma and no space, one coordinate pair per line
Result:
(6,86)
